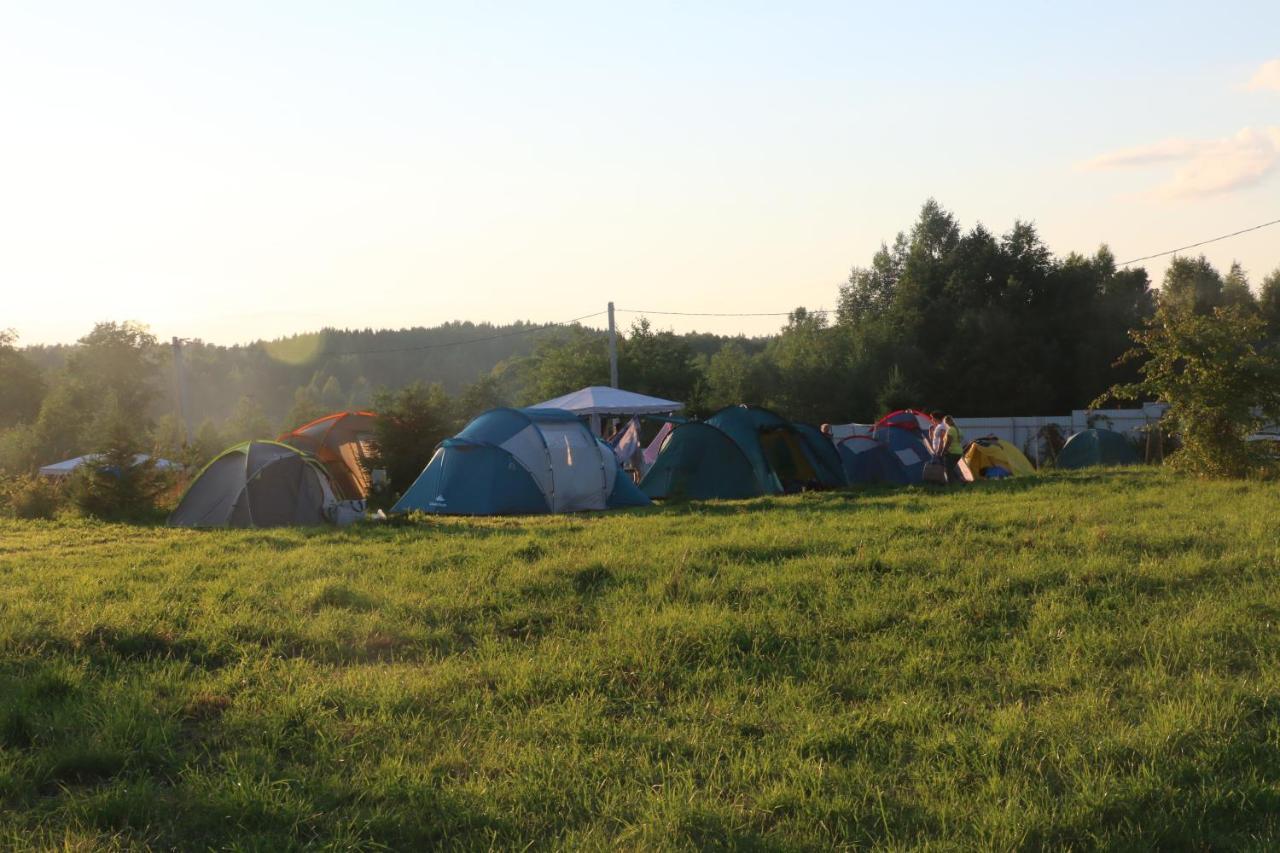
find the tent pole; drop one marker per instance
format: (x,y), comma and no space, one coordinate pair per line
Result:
(613,350)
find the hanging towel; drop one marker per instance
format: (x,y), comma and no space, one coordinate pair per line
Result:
(651,452)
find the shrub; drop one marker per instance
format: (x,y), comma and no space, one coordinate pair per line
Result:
(33,497)
(115,485)
(1221,381)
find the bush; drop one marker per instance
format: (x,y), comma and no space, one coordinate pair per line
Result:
(1221,381)
(115,486)
(33,497)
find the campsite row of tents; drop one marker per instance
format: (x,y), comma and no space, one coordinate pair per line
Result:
(549,459)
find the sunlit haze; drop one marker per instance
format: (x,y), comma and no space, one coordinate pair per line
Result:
(232,171)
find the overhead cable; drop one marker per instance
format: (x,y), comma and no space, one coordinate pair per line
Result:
(1203,242)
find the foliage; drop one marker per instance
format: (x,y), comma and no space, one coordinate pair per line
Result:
(942,317)
(564,361)
(480,396)
(21,386)
(411,422)
(108,377)
(1191,284)
(115,485)
(735,375)
(1071,662)
(973,323)
(32,497)
(658,363)
(248,422)
(1269,303)
(1220,379)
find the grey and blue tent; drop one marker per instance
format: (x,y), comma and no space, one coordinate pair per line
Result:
(257,484)
(521,461)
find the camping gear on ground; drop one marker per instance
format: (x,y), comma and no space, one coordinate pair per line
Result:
(258,484)
(596,402)
(699,462)
(1097,447)
(906,432)
(989,452)
(343,442)
(934,472)
(785,457)
(866,460)
(68,467)
(520,461)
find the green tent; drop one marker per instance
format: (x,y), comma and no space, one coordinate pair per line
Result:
(1097,447)
(784,456)
(699,462)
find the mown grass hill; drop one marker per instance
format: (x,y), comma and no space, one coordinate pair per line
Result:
(1074,661)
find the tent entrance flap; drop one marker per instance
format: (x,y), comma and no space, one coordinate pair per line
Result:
(786,456)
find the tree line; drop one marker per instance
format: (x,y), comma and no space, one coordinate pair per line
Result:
(966,321)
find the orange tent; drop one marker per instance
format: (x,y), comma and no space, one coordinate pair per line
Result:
(342,441)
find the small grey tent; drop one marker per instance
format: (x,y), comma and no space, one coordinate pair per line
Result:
(257,484)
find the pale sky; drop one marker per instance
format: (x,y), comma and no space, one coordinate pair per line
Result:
(236,170)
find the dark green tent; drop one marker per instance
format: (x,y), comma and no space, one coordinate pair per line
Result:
(785,456)
(699,462)
(1097,447)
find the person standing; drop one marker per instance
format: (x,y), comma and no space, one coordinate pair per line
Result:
(936,434)
(953,449)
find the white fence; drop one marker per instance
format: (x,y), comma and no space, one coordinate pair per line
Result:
(1024,432)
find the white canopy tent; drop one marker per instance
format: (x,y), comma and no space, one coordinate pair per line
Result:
(68,467)
(599,401)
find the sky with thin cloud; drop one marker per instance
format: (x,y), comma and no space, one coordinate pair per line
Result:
(238,170)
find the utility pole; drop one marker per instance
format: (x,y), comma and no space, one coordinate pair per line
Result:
(613,350)
(180,389)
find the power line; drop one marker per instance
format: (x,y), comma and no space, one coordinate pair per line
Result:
(1203,242)
(721,314)
(446,344)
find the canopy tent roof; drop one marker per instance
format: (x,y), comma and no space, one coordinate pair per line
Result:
(69,466)
(601,400)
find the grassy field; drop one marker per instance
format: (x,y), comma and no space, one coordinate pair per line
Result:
(1076,661)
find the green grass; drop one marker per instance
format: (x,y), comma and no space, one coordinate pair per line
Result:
(1077,661)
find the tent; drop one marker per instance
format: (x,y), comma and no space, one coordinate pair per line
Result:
(342,441)
(68,467)
(785,457)
(602,400)
(993,452)
(1097,447)
(906,432)
(599,401)
(866,460)
(257,484)
(517,461)
(699,462)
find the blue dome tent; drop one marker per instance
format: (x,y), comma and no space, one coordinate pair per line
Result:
(521,461)
(866,460)
(906,432)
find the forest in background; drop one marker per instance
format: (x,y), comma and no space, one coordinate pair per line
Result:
(966,321)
